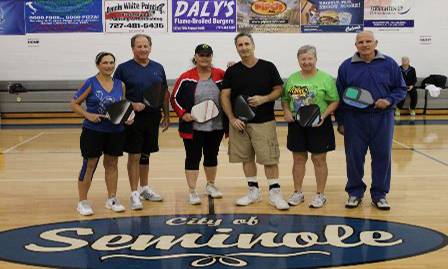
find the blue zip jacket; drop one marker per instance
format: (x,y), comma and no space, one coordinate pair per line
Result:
(381,77)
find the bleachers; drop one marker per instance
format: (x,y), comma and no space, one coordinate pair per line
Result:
(47,102)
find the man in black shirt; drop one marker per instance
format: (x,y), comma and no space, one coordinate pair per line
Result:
(260,80)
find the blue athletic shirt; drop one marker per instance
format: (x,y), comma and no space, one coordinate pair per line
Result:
(97,102)
(138,78)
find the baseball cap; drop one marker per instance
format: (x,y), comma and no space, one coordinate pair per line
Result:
(203,48)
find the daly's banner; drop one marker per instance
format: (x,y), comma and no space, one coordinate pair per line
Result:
(146,16)
(62,16)
(204,16)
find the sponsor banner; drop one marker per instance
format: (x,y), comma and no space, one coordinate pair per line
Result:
(342,16)
(204,16)
(146,16)
(62,16)
(12,17)
(389,15)
(269,16)
(217,241)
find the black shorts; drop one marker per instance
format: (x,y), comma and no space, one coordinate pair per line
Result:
(143,135)
(312,139)
(203,142)
(93,143)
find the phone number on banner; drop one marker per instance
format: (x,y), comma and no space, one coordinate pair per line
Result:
(135,26)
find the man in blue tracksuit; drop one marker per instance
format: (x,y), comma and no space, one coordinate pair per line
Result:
(372,127)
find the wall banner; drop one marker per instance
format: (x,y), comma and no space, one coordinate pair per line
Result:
(12,17)
(269,16)
(343,16)
(63,16)
(390,15)
(147,16)
(204,16)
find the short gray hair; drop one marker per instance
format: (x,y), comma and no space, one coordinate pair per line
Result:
(306,49)
(405,58)
(244,34)
(367,32)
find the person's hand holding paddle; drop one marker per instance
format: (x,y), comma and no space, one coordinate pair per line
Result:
(382,103)
(319,123)
(95,118)
(256,100)
(238,124)
(129,122)
(137,106)
(188,117)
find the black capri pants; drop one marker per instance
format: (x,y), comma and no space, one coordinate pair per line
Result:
(207,142)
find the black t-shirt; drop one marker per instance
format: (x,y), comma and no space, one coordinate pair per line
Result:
(257,80)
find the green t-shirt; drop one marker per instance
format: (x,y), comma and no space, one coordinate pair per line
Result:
(319,90)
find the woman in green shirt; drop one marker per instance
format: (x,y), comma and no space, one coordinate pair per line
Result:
(306,87)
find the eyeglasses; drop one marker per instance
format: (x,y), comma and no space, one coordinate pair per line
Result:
(204,55)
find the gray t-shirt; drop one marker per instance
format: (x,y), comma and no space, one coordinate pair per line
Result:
(207,90)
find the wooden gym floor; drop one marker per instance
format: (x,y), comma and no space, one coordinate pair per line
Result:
(39,168)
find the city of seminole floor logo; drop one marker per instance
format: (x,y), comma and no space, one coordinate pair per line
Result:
(216,241)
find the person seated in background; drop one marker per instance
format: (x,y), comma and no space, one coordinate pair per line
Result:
(410,78)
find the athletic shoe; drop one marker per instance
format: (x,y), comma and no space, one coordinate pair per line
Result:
(397,112)
(114,204)
(149,194)
(253,196)
(353,202)
(213,191)
(318,201)
(135,201)
(84,208)
(296,198)
(382,204)
(193,198)
(412,112)
(276,199)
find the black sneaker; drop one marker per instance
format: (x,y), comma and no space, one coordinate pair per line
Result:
(382,204)
(353,202)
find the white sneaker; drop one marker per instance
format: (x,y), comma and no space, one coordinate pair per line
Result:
(193,198)
(276,199)
(318,201)
(296,198)
(149,194)
(114,204)
(135,201)
(252,196)
(84,208)
(213,191)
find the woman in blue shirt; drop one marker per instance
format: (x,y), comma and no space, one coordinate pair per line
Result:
(98,134)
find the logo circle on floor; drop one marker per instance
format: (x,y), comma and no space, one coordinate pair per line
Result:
(217,241)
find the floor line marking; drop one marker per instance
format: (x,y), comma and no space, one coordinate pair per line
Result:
(419,152)
(23,142)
